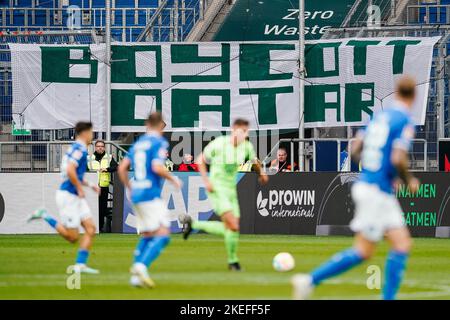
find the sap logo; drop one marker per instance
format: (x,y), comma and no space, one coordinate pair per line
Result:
(191,199)
(2,207)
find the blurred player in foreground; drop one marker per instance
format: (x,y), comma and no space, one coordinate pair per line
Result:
(383,149)
(70,198)
(148,156)
(225,154)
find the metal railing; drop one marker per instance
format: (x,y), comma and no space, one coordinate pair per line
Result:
(169,24)
(418,154)
(43,156)
(308,148)
(428,14)
(358,14)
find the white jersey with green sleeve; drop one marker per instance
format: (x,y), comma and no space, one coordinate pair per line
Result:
(224,159)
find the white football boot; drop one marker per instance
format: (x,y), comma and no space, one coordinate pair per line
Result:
(302,286)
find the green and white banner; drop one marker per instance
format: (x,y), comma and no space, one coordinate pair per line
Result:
(204,86)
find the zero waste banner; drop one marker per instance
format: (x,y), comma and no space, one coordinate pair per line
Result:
(255,20)
(204,86)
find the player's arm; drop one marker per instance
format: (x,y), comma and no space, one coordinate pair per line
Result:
(159,169)
(400,159)
(256,164)
(73,178)
(91,185)
(123,171)
(201,162)
(357,147)
(257,167)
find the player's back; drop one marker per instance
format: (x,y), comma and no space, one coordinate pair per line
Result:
(76,154)
(147,150)
(389,128)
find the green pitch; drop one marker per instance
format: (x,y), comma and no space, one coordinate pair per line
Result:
(33,267)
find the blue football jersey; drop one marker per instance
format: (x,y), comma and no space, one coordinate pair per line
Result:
(77,154)
(391,128)
(148,149)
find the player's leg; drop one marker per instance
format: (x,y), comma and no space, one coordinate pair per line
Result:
(363,249)
(231,223)
(159,240)
(368,232)
(87,222)
(212,227)
(68,227)
(85,247)
(70,234)
(401,243)
(153,223)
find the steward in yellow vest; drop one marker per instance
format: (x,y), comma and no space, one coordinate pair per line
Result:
(104,164)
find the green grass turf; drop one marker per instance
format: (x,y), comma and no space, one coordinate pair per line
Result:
(33,267)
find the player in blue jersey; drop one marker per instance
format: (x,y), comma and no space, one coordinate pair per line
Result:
(383,149)
(147,157)
(70,199)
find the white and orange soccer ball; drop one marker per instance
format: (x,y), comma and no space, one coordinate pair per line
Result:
(283,262)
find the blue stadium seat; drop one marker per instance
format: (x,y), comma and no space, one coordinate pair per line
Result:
(436,16)
(46,4)
(24,4)
(40,18)
(98,4)
(97,18)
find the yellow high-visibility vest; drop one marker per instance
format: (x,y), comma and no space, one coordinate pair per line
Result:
(246,167)
(104,178)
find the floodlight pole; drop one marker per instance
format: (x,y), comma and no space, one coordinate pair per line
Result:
(302,74)
(108,68)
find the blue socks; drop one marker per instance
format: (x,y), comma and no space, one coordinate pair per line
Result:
(51,221)
(338,264)
(140,248)
(395,266)
(153,250)
(82,256)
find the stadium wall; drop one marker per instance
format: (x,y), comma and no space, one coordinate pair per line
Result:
(22,193)
(302,204)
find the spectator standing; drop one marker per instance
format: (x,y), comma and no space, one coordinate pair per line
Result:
(104,164)
(170,166)
(188,164)
(280,164)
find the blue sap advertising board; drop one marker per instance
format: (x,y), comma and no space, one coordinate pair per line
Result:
(191,199)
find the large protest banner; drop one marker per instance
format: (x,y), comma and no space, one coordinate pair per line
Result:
(204,86)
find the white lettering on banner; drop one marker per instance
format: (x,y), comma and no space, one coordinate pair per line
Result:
(287,203)
(288,197)
(293,14)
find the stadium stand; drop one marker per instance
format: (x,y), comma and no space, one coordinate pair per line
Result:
(173,21)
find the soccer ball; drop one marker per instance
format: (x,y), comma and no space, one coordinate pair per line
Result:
(283,262)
